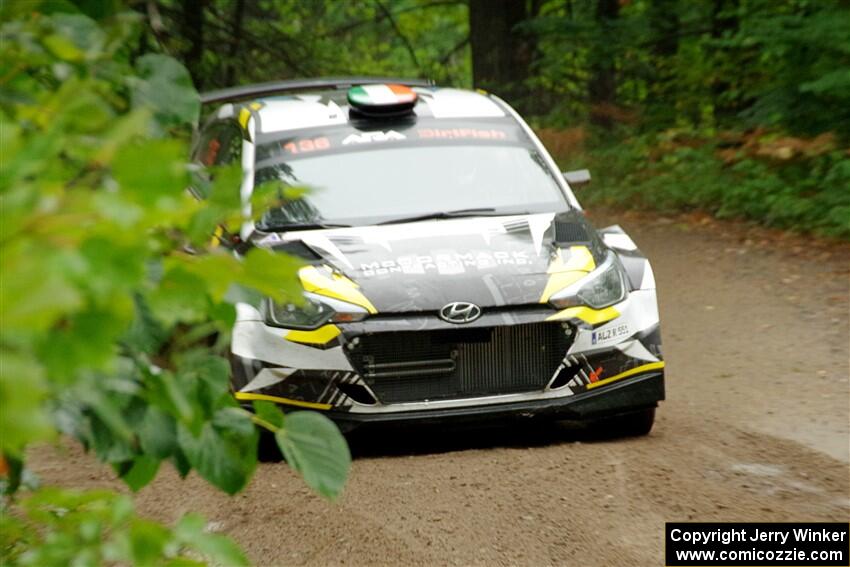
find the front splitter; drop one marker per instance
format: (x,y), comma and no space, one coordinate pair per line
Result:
(631,395)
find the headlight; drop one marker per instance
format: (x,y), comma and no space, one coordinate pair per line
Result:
(604,286)
(315,311)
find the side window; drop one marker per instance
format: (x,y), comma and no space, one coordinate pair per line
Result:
(220,144)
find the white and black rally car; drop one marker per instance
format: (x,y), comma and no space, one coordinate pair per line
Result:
(449,272)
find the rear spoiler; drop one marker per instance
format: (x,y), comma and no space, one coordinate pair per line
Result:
(279,87)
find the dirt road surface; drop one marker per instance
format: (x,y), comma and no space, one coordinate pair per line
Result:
(756,427)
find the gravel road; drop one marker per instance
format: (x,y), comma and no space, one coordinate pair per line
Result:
(756,427)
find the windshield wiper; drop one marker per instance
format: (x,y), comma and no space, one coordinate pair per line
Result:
(458,213)
(301,226)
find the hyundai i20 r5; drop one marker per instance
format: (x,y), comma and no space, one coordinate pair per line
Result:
(449,272)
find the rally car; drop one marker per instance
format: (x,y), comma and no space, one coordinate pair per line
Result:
(449,272)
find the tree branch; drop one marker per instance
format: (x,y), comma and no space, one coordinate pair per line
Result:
(218,24)
(357,23)
(458,46)
(157,27)
(388,15)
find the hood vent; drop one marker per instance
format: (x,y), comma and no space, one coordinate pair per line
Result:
(567,232)
(298,249)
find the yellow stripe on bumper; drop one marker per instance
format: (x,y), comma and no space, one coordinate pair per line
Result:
(279,400)
(321,336)
(627,373)
(586,314)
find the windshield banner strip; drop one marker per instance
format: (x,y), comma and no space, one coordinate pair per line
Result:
(347,139)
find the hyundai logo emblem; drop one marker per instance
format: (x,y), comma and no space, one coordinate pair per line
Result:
(460,312)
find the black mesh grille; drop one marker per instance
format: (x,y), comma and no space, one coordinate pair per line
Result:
(435,365)
(570,232)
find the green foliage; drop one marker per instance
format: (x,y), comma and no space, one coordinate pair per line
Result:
(114,316)
(681,171)
(307,442)
(803,65)
(692,75)
(702,64)
(260,41)
(65,527)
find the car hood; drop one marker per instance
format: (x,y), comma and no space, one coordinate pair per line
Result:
(422,266)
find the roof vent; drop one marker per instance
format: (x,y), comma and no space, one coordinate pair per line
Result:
(378,101)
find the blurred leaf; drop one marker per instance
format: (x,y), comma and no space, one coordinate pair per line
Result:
(146,333)
(269,412)
(158,433)
(131,169)
(224,457)
(147,541)
(191,528)
(225,188)
(23,393)
(63,48)
(272,273)
(314,447)
(180,297)
(166,86)
(39,293)
(141,472)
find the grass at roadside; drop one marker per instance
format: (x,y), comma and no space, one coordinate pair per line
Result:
(782,182)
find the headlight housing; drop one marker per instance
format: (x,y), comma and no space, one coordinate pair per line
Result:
(315,311)
(604,286)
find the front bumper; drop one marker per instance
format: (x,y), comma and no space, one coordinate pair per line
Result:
(603,369)
(636,394)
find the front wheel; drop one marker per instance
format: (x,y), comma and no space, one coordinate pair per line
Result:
(267,449)
(632,424)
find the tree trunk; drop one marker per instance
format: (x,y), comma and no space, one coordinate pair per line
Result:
(602,87)
(664,27)
(501,55)
(664,30)
(233,54)
(724,23)
(192,28)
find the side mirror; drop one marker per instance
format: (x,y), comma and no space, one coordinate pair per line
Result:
(578,177)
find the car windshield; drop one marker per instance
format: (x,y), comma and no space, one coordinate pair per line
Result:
(389,183)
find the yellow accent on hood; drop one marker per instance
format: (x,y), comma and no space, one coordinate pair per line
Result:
(331,284)
(580,259)
(563,273)
(321,336)
(586,314)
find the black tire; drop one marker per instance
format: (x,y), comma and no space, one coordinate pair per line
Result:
(267,449)
(632,424)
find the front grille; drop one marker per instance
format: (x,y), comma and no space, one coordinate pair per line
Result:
(459,363)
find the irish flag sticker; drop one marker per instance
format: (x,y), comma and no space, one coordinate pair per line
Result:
(365,96)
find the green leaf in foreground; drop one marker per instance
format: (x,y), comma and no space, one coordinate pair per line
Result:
(269,412)
(225,451)
(166,86)
(141,472)
(314,447)
(191,529)
(97,527)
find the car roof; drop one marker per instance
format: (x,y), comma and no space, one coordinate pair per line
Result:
(329,106)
